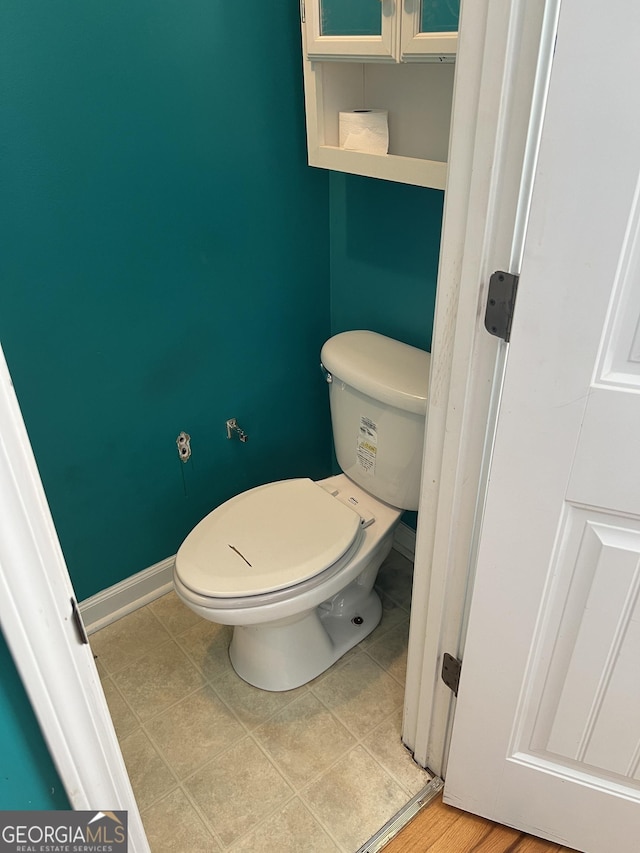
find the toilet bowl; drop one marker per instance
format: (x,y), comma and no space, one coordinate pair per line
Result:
(291,565)
(298,589)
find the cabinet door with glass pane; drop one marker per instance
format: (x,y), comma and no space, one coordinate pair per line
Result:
(352,29)
(381,30)
(429,29)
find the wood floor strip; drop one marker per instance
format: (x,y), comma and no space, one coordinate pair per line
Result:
(530,844)
(441,817)
(441,822)
(439,828)
(501,839)
(465,834)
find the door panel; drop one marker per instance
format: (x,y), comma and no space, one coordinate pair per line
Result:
(586,664)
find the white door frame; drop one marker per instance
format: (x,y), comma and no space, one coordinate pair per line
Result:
(58,671)
(500,94)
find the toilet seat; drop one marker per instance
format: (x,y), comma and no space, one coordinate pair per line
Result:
(267,539)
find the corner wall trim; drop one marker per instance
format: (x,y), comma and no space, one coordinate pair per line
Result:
(404,541)
(123,598)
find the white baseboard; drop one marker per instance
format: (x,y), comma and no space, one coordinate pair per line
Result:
(117,601)
(404,541)
(123,598)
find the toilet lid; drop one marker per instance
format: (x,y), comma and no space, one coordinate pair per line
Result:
(266,539)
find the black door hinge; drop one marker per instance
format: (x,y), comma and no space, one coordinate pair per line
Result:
(451,672)
(501,301)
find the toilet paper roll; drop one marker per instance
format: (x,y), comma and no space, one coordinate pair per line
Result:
(364,130)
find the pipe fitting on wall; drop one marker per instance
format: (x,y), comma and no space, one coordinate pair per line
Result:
(234,431)
(184,446)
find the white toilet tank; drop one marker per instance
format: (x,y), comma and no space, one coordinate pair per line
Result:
(378,395)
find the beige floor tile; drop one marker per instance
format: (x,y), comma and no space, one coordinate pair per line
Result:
(195,730)
(150,777)
(292,830)
(173,826)
(353,652)
(385,744)
(395,579)
(174,615)
(124,720)
(128,639)
(158,680)
(183,688)
(207,644)
(360,694)
(354,799)
(392,616)
(238,789)
(252,706)
(390,651)
(304,739)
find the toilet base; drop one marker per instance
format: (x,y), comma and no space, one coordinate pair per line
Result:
(286,654)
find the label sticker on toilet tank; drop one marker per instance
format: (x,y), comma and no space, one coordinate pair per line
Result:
(367,446)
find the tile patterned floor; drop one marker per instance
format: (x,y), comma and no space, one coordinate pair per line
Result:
(219,765)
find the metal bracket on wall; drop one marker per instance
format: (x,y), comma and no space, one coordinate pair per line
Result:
(184,446)
(234,430)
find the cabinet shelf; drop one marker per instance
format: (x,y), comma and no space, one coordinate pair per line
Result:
(390,167)
(418,97)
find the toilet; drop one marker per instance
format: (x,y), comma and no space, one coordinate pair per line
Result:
(291,565)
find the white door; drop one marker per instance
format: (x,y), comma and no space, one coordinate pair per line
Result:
(547,723)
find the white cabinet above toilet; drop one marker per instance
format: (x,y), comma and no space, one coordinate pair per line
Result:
(389,55)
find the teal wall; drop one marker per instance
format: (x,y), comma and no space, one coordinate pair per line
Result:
(169,261)
(165,263)
(28,779)
(385,243)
